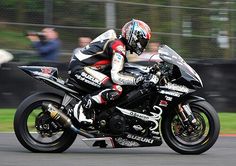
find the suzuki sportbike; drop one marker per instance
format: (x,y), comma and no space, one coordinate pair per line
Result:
(143,116)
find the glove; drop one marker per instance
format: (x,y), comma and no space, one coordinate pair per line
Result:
(155,68)
(139,80)
(150,80)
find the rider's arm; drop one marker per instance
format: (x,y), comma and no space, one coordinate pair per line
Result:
(118,61)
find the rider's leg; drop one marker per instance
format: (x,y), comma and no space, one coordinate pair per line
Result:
(108,92)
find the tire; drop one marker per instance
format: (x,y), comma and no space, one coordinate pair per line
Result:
(23,131)
(208,132)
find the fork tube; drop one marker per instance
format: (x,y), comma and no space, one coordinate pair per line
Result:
(182,114)
(188,111)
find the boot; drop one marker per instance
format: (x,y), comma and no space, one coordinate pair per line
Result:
(79,109)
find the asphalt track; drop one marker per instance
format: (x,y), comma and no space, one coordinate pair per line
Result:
(13,154)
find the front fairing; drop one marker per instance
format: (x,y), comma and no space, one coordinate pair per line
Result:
(182,73)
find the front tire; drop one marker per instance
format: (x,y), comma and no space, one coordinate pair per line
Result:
(26,125)
(200,140)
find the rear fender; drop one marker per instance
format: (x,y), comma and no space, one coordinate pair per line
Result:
(49,75)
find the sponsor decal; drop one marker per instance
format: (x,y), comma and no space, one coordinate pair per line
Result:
(168,98)
(177,87)
(46,70)
(138,115)
(154,118)
(163,103)
(88,79)
(126,142)
(141,139)
(117,59)
(37,73)
(171,93)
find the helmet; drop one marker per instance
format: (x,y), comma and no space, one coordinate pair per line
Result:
(137,34)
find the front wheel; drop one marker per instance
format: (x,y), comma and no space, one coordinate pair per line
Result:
(36,130)
(199,140)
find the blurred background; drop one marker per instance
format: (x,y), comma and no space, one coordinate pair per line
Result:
(203,32)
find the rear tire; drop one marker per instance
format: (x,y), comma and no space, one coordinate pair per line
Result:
(201,141)
(29,139)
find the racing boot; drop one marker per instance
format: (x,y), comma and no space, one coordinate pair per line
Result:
(83,112)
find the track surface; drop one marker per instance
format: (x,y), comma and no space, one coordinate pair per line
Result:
(13,154)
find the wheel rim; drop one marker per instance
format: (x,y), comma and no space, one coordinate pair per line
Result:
(199,135)
(33,134)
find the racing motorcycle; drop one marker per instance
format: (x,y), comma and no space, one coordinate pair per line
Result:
(143,116)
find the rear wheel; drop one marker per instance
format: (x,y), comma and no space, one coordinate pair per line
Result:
(36,130)
(199,140)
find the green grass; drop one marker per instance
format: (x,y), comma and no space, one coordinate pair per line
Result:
(13,39)
(227,120)
(228,123)
(6,119)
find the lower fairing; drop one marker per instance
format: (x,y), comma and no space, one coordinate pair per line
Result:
(127,140)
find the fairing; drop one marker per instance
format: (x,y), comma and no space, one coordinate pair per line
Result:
(187,75)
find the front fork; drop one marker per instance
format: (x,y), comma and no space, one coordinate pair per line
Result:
(186,116)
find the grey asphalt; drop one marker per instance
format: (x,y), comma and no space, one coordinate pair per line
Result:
(13,154)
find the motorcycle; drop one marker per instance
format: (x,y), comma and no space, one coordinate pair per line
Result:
(143,116)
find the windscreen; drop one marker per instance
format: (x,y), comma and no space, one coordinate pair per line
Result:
(170,56)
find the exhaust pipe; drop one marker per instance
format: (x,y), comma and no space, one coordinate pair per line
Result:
(59,116)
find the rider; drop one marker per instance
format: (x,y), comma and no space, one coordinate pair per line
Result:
(89,65)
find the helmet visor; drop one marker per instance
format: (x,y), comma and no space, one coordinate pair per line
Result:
(139,45)
(143,42)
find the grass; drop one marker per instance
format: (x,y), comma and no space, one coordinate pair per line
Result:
(228,123)
(227,120)
(13,39)
(6,119)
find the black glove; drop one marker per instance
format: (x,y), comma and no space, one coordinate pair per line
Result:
(150,80)
(139,80)
(155,68)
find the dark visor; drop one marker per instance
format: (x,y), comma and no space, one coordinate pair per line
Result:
(143,42)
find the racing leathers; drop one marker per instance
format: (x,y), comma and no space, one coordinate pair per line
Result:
(99,66)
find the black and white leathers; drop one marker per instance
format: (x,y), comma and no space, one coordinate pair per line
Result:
(93,66)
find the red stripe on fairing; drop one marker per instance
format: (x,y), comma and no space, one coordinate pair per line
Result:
(102,62)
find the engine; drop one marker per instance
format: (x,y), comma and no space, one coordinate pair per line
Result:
(117,123)
(111,123)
